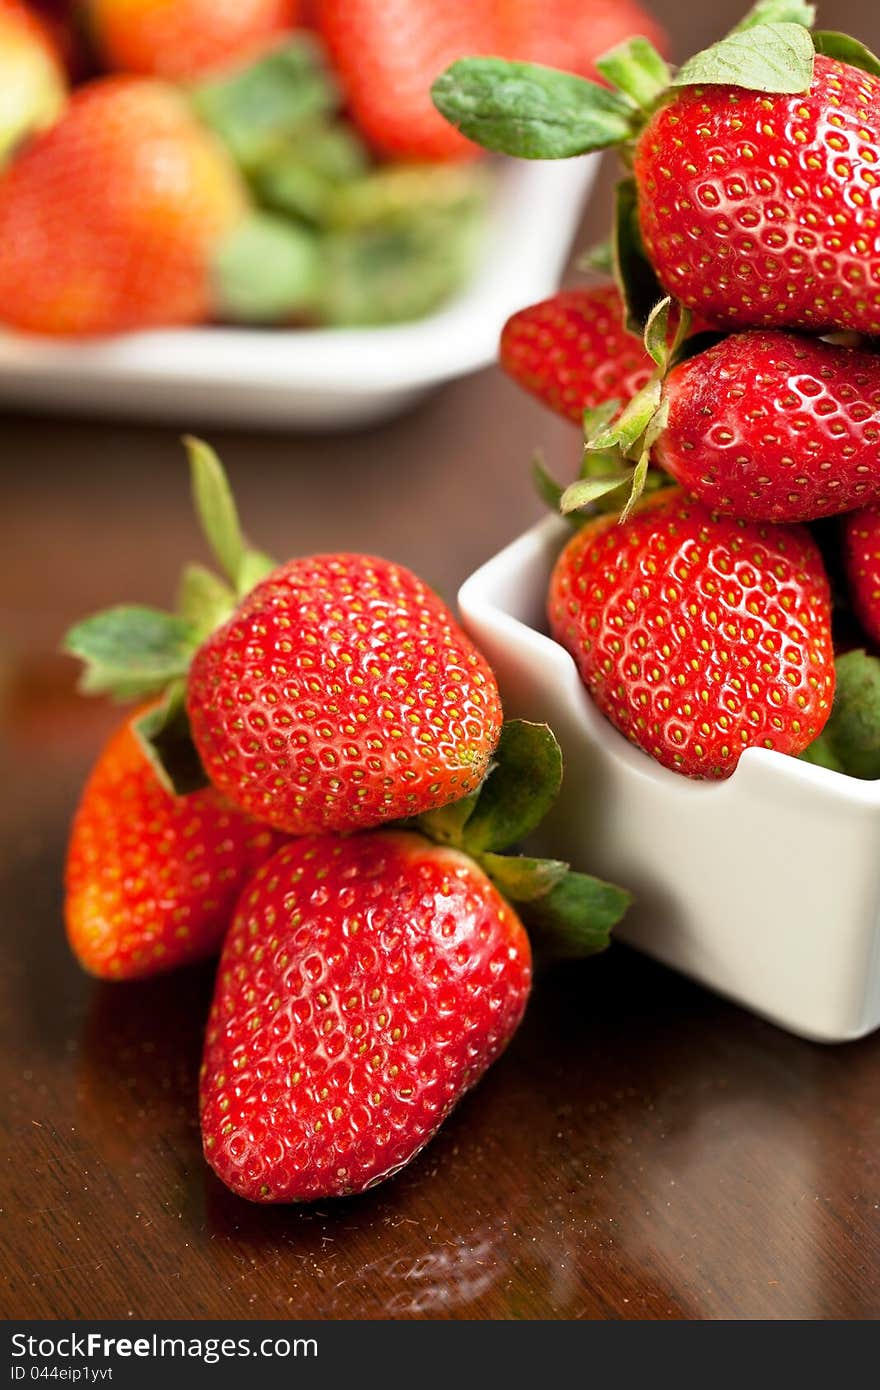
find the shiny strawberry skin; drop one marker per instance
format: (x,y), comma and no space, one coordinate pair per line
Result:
(387,56)
(573,351)
(698,636)
(773,426)
(342,694)
(365,984)
(762,210)
(109,220)
(179,38)
(861,556)
(570,34)
(151,879)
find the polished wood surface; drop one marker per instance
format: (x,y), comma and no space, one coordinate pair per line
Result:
(644,1150)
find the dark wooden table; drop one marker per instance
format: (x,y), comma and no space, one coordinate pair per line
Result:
(643,1151)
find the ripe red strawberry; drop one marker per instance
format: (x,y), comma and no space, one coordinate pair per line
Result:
(151,879)
(341,694)
(698,636)
(574,352)
(570,34)
(32,81)
(763,209)
(178,38)
(754,167)
(387,55)
(861,555)
(111,219)
(772,426)
(364,986)
(334,692)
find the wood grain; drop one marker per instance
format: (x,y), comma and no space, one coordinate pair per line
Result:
(643,1151)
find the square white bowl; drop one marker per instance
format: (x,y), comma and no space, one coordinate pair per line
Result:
(323,378)
(765,887)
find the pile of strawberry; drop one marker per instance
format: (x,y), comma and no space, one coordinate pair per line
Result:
(317,781)
(728,384)
(261,162)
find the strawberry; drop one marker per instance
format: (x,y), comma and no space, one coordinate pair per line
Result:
(341,694)
(574,352)
(754,190)
(861,554)
(151,879)
(570,34)
(333,692)
(765,426)
(698,636)
(128,214)
(387,55)
(763,209)
(32,81)
(109,220)
(334,1053)
(179,38)
(367,982)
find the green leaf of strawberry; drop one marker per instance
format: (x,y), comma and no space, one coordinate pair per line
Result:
(521,879)
(218,514)
(164,735)
(633,271)
(763,58)
(846,50)
(575,918)
(130,651)
(530,111)
(518,791)
(850,741)
(636,69)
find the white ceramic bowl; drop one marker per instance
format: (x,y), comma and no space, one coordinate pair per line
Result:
(318,378)
(765,887)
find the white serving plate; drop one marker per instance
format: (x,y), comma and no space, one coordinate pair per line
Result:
(766,887)
(318,378)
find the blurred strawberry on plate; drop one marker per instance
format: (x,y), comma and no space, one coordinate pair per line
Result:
(127,214)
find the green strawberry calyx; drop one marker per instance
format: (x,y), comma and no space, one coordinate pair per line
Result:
(618,441)
(568,914)
(535,112)
(132,652)
(850,741)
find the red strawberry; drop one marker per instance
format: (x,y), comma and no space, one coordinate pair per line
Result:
(760,208)
(698,636)
(333,692)
(152,879)
(341,694)
(387,56)
(32,81)
(570,34)
(364,986)
(178,38)
(755,167)
(574,352)
(111,220)
(861,553)
(772,426)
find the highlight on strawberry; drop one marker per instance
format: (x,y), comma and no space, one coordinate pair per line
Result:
(753,193)
(367,979)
